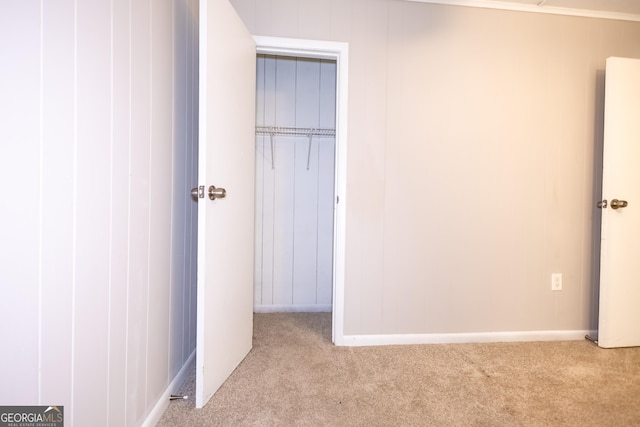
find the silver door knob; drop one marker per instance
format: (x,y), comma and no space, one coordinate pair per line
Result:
(615,204)
(197,193)
(217,193)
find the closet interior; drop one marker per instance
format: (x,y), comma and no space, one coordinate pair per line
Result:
(295,168)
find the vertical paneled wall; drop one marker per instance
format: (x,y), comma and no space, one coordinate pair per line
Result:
(98,154)
(294,185)
(474,141)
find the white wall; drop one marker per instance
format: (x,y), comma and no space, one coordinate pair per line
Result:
(294,189)
(473,160)
(98,154)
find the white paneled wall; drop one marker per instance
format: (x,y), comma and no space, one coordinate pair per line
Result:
(98,153)
(294,205)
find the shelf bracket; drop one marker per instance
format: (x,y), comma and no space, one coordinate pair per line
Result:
(309,153)
(273,165)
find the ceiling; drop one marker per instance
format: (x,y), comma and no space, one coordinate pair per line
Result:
(628,10)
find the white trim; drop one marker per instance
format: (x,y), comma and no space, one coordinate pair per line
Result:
(340,53)
(300,47)
(163,401)
(202,223)
(460,338)
(519,7)
(312,308)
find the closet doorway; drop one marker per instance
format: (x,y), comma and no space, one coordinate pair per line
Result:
(300,177)
(295,154)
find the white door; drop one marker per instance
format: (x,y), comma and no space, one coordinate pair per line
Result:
(619,319)
(225,225)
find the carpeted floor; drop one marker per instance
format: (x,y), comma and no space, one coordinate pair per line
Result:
(295,376)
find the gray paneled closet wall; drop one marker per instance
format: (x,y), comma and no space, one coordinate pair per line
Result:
(294,185)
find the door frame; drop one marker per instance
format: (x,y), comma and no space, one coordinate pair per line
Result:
(338,52)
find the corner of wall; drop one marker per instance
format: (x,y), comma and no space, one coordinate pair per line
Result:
(163,401)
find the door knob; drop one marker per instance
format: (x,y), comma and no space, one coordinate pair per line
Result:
(615,204)
(197,193)
(602,204)
(217,193)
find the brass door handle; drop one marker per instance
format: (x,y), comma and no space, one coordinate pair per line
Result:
(615,204)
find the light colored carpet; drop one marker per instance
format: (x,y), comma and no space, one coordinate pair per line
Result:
(295,376)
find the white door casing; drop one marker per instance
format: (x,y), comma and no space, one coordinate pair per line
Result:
(226,159)
(619,313)
(340,53)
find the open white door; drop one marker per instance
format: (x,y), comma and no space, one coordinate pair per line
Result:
(226,224)
(619,318)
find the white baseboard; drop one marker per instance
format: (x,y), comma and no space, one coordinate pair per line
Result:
(311,308)
(460,338)
(163,402)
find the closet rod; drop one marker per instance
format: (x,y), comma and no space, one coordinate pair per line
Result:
(293,131)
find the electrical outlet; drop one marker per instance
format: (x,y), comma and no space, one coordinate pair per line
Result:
(556,282)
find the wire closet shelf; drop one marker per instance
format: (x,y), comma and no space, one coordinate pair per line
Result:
(273,131)
(292,131)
